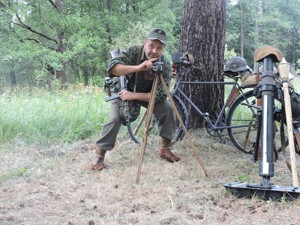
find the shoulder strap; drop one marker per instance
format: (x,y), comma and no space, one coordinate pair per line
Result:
(138,61)
(139,52)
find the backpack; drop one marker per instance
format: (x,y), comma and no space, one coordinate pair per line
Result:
(128,111)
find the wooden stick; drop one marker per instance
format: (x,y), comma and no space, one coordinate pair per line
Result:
(137,128)
(197,155)
(283,69)
(288,113)
(148,120)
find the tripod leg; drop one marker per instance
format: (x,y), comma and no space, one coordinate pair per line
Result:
(140,123)
(148,120)
(197,155)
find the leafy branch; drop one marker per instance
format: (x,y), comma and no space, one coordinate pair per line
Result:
(21,24)
(53,4)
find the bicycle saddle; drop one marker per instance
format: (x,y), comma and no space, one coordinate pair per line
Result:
(266,51)
(184,58)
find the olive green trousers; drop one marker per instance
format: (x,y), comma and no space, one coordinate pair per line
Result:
(166,125)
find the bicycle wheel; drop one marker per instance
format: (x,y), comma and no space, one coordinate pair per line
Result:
(182,110)
(244,113)
(134,129)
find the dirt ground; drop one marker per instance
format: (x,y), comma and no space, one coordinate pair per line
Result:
(54,185)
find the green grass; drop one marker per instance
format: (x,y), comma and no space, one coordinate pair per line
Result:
(13,174)
(40,116)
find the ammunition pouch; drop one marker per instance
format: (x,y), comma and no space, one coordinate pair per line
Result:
(129,112)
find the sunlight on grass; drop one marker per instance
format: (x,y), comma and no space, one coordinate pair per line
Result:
(14,174)
(40,116)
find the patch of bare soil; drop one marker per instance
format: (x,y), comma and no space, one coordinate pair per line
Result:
(54,185)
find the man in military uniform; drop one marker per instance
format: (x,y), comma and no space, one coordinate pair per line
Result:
(138,91)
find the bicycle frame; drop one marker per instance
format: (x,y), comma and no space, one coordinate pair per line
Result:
(217,124)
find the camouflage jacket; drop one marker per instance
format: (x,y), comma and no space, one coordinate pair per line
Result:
(145,79)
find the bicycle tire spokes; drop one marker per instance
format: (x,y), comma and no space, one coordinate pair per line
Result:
(183,112)
(242,116)
(136,133)
(244,113)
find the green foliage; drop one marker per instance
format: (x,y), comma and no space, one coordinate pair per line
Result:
(254,23)
(39,116)
(228,53)
(20,172)
(90,30)
(137,29)
(244,178)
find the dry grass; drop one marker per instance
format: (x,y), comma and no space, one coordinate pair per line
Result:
(53,185)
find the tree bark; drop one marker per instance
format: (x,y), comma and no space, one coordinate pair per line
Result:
(108,28)
(13,77)
(85,75)
(203,35)
(61,74)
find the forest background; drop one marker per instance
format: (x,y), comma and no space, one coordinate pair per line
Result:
(71,40)
(50,45)
(53,57)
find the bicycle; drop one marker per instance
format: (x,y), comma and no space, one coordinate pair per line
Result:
(239,109)
(239,114)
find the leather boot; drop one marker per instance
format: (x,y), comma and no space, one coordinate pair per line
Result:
(166,154)
(99,160)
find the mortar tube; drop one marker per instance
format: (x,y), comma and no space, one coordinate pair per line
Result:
(268,90)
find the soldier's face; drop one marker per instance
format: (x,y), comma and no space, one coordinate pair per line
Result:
(153,48)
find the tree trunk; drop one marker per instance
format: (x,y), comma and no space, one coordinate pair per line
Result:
(242,39)
(108,28)
(256,38)
(263,31)
(85,75)
(61,49)
(203,35)
(13,75)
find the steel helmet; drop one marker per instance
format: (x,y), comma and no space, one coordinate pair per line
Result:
(236,64)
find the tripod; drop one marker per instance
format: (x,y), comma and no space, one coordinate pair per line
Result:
(150,109)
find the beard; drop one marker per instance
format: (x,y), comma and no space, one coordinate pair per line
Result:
(151,56)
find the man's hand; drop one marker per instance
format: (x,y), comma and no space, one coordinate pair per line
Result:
(147,65)
(120,69)
(126,95)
